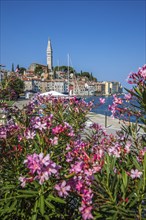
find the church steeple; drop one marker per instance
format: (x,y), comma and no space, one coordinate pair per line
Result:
(49,56)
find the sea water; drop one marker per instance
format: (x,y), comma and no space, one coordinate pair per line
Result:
(103,109)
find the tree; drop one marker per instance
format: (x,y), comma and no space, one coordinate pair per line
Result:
(64,69)
(12,67)
(87,74)
(38,70)
(21,70)
(12,87)
(77,74)
(94,79)
(91,77)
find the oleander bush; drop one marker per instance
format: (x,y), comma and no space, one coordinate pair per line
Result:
(51,167)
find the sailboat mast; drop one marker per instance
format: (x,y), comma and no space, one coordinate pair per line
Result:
(58,64)
(68,73)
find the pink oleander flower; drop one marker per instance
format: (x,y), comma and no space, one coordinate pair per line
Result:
(23,181)
(3,133)
(139,77)
(127,147)
(98,155)
(29,134)
(42,177)
(87,195)
(44,160)
(58,129)
(33,163)
(76,110)
(143,72)
(69,157)
(77,167)
(54,141)
(20,137)
(102,101)
(128,96)
(39,125)
(79,185)
(114,151)
(86,212)
(112,108)
(71,133)
(62,189)
(117,100)
(52,168)
(143,151)
(41,167)
(135,174)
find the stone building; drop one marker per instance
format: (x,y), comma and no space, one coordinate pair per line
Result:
(34,65)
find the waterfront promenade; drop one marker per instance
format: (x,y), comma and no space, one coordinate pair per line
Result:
(109,124)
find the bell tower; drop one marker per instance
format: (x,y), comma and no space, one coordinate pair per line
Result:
(49,56)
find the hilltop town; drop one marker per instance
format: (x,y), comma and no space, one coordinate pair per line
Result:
(64,79)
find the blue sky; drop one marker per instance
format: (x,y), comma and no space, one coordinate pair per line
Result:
(106,38)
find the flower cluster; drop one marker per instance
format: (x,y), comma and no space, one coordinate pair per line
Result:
(85,160)
(40,168)
(8,130)
(98,170)
(62,189)
(135,173)
(138,78)
(121,108)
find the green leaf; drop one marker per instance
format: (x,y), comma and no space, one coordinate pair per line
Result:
(116,188)
(8,187)
(136,163)
(133,202)
(42,205)
(138,91)
(69,176)
(50,206)
(144,96)
(124,177)
(19,196)
(34,216)
(46,217)
(97,215)
(26,196)
(36,145)
(56,199)
(114,217)
(123,189)
(29,192)
(12,207)
(38,137)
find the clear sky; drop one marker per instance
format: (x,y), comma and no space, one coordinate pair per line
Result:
(107,38)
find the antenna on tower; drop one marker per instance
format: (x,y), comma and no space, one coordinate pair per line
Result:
(58,64)
(68,70)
